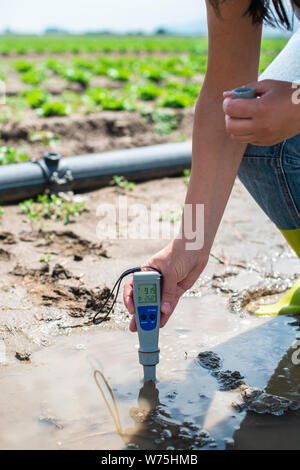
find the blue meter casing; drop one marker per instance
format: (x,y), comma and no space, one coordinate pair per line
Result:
(146,297)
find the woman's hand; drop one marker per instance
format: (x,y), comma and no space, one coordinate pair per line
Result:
(268,120)
(180,269)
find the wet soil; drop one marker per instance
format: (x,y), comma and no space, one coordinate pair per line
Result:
(52,349)
(63,242)
(261,402)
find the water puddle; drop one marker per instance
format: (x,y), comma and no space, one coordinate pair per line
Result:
(54,402)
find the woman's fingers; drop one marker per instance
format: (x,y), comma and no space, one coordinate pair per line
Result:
(128,301)
(239,108)
(168,297)
(243,139)
(238,126)
(164,317)
(128,295)
(132,325)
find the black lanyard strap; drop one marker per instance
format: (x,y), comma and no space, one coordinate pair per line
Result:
(117,285)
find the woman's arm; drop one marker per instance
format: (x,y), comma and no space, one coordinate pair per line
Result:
(233,59)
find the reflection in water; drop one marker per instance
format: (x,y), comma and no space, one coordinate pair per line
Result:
(156,427)
(153,427)
(114,413)
(271,432)
(179,412)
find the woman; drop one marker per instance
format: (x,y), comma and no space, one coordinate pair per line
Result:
(257,139)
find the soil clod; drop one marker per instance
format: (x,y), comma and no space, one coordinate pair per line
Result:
(210,360)
(23,356)
(66,243)
(60,272)
(229,380)
(5,255)
(260,402)
(8,238)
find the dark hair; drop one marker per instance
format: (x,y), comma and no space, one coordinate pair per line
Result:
(261,10)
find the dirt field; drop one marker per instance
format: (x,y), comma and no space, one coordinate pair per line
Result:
(52,349)
(42,300)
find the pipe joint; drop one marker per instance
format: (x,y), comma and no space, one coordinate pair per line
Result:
(55,173)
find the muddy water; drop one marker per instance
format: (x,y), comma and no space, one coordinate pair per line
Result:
(54,403)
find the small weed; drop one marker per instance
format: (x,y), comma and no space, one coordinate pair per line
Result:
(45,137)
(165,121)
(50,207)
(45,258)
(122,183)
(187,175)
(170,216)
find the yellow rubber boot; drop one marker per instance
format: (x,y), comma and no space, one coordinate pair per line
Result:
(290,302)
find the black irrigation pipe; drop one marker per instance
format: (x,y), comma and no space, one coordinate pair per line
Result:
(86,172)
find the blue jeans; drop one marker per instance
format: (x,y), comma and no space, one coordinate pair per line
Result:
(272,177)
(272,174)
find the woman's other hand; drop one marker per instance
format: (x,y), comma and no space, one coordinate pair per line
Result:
(271,118)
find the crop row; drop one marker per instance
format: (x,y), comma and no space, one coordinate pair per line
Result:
(58,44)
(169,81)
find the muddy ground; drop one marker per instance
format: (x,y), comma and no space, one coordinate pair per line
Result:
(42,300)
(52,348)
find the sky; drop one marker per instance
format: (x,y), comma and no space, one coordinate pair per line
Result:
(114,15)
(81,15)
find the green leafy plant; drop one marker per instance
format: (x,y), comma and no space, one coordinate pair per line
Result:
(83,63)
(109,101)
(55,108)
(116,104)
(177,100)
(97,95)
(152,73)
(148,92)
(23,65)
(33,77)
(36,97)
(78,75)
(50,207)
(1,211)
(55,65)
(118,74)
(9,155)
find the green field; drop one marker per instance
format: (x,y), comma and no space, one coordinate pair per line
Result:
(62,75)
(163,70)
